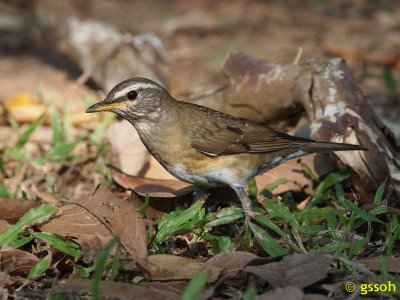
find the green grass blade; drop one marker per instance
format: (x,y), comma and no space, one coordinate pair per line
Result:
(171,224)
(57,128)
(339,193)
(316,213)
(39,268)
(66,247)
(24,137)
(307,169)
(225,216)
(382,267)
(4,193)
(218,243)
(273,185)
(83,272)
(334,247)
(21,242)
(252,185)
(251,293)
(330,180)
(34,216)
(196,285)
(100,266)
(361,213)
(379,193)
(331,221)
(359,245)
(282,212)
(269,244)
(115,266)
(268,223)
(145,206)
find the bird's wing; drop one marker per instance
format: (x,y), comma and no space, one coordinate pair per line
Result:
(230,136)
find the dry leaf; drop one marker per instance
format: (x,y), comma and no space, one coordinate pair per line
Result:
(287,293)
(120,290)
(231,263)
(97,218)
(164,195)
(128,147)
(12,209)
(78,223)
(24,108)
(120,217)
(161,188)
(392,263)
(299,270)
(134,159)
(15,261)
(172,267)
(3,225)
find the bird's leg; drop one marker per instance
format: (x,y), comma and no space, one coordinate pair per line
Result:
(246,203)
(201,194)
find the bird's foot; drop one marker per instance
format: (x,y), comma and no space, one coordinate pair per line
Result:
(248,215)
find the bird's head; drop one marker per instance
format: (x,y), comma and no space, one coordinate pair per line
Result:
(134,99)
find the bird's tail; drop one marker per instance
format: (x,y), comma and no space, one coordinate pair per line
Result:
(328,146)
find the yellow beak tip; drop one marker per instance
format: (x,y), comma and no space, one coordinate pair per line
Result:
(100,106)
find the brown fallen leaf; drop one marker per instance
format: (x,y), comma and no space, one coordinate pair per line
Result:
(299,270)
(133,157)
(16,261)
(78,223)
(287,293)
(161,188)
(12,209)
(231,263)
(3,225)
(121,290)
(95,219)
(48,197)
(392,263)
(120,217)
(127,146)
(172,267)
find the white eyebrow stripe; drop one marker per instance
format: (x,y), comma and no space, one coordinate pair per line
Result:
(135,86)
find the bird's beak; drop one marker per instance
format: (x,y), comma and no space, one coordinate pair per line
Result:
(104,105)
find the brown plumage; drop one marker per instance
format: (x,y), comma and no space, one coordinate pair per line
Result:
(202,146)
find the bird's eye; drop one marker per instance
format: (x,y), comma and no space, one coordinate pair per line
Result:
(132,95)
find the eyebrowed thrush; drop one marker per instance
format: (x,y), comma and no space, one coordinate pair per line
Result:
(201,146)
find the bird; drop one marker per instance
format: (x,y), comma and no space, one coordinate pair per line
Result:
(202,146)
